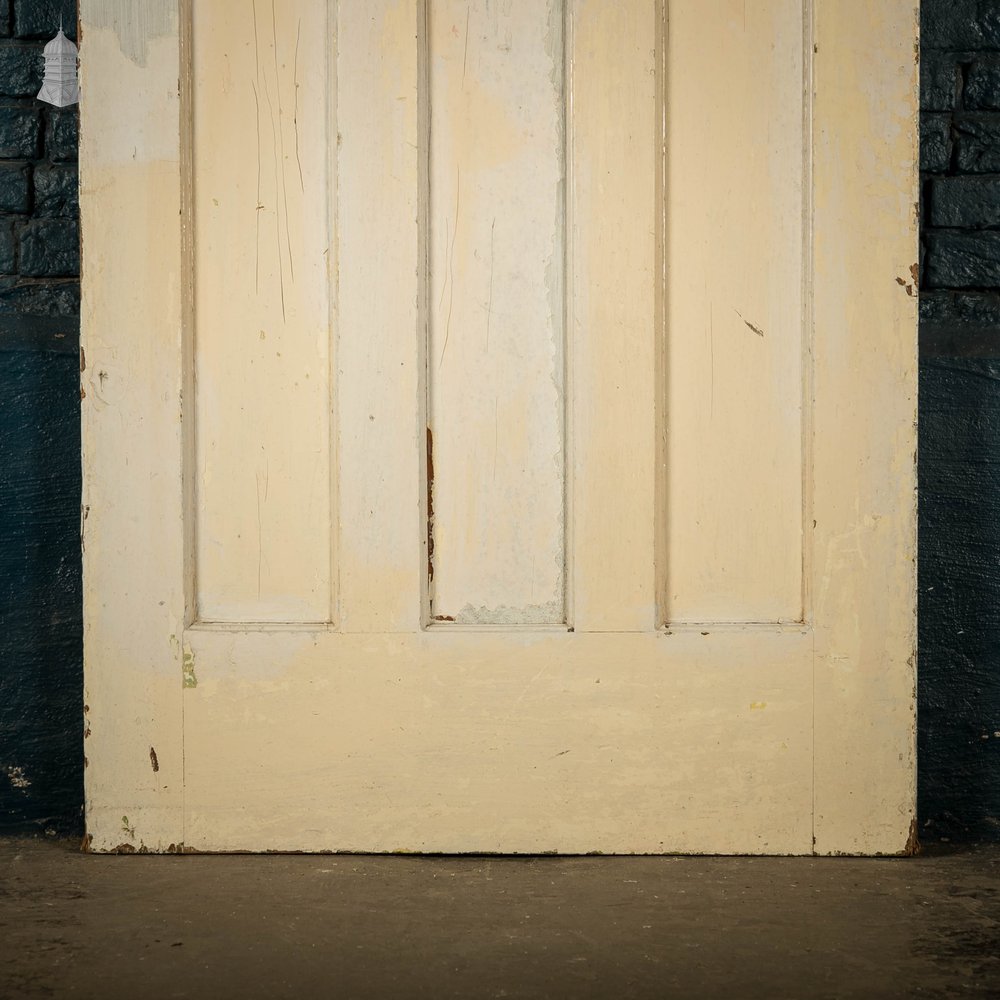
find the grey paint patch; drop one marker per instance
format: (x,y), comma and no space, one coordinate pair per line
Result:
(533,614)
(134,23)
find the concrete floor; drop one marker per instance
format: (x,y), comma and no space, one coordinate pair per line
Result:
(74,925)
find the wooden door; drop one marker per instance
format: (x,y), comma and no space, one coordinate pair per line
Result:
(499,425)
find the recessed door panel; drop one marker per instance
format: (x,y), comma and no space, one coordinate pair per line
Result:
(262,310)
(496,352)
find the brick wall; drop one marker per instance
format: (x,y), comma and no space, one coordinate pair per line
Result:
(39,212)
(41,682)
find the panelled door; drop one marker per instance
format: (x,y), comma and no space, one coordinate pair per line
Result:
(499,425)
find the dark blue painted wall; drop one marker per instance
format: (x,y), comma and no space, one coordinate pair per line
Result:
(41,679)
(959,574)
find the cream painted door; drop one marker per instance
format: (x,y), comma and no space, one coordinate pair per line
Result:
(499,425)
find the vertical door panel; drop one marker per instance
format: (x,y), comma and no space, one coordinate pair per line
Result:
(614,163)
(262,310)
(496,308)
(735,262)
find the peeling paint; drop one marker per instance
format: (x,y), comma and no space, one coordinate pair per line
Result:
(430,506)
(190,678)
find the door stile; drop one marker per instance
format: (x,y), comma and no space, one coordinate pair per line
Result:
(808,315)
(864,586)
(189,424)
(380,358)
(661,546)
(614,166)
(132,382)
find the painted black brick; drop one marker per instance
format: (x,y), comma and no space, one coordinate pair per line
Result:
(940,79)
(62,137)
(40,18)
(21,69)
(979,308)
(32,297)
(15,187)
(935,142)
(949,25)
(50,249)
(977,143)
(971,202)
(982,85)
(960,24)
(56,191)
(20,132)
(8,247)
(958,259)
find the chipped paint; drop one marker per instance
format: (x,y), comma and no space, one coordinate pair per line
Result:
(190,678)
(753,328)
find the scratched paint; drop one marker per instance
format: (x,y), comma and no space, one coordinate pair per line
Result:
(496,358)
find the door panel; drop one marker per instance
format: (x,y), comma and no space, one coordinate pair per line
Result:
(496,363)
(467,741)
(736,264)
(477,484)
(262,305)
